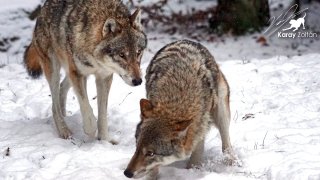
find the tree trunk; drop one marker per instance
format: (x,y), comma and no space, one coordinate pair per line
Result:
(240,16)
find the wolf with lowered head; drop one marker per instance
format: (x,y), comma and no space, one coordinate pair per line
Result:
(85,37)
(187,95)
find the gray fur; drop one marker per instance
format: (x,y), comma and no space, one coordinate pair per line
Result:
(85,37)
(187,94)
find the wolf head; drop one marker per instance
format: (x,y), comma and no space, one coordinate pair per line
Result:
(160,141)
(122,47)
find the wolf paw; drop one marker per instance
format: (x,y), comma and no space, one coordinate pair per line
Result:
(65,133)
(105,138)
(113,142)
(194,164)
(232,160)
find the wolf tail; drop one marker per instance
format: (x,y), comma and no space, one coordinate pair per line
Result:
(31,61)
(304,15)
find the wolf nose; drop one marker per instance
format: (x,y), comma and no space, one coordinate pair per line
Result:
(128,174)
(136,82)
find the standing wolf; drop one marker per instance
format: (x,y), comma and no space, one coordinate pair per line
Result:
(187,94)
(97,37)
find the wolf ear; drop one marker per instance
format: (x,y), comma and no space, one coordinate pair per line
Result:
(109,26)
(146,108)
(135,19)
(181,125)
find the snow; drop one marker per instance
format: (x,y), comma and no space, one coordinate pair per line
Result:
(178,6)
(275,119)
(15,28)
(16,4)
(281,140)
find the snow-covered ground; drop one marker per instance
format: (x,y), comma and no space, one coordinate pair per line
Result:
(275,121)
(279,138)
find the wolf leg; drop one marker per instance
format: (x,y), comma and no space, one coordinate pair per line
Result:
(52,72)
(103,88)
(222,123)
(222,120)
(64,88)
(79,84)
(196,156)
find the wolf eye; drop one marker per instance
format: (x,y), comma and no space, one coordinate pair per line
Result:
(150,154)
(121,55)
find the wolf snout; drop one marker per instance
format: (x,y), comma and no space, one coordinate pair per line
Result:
(128,174)
(137,82)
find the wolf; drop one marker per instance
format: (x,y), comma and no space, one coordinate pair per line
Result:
(186,95)
(92,37)
(296,23)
